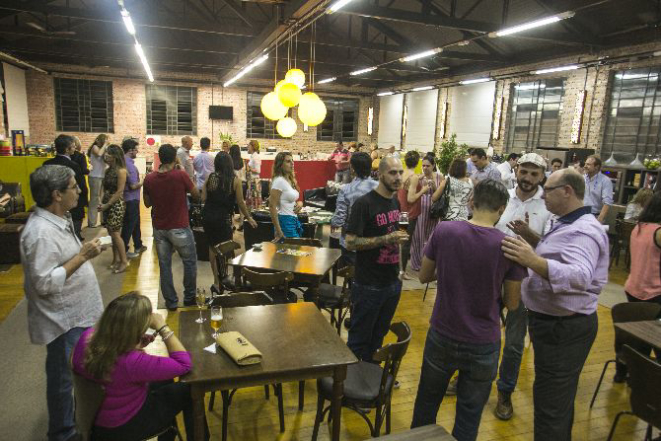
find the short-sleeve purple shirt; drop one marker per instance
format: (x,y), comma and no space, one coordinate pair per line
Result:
(471,269)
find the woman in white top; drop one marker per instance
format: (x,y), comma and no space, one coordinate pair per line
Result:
(97,172)
(254,187)
(283,199)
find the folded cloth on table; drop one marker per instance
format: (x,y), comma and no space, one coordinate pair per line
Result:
(238,348)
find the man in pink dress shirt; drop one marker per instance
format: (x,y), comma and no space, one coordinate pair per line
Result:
(567,271)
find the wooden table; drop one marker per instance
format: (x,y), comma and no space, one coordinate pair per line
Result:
(296,341)
(311,268)
(424,433)
(648,331)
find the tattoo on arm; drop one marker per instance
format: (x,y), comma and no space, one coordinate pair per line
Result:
(355,243)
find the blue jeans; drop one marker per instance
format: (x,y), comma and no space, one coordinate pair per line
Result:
(59,385)
(477,365)
(181,240)
(373,309)
(131,226)
(516,327)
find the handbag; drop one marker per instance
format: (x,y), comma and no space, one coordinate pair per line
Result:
(439,209)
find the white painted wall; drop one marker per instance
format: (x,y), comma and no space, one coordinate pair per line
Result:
(471,113)
(390,120)
(17,99)
(421,126)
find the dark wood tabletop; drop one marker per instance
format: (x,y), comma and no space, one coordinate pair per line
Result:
(296,341)
(648,331)
(424,433)
(317,264)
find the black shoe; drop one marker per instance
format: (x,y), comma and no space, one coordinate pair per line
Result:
(347,323)
(620,377)
(190,303)
(173,308)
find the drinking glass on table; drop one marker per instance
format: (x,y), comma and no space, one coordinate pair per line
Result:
(216,319)
(200,300)
(403,226)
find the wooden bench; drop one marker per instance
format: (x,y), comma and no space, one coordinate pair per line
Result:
(425,433)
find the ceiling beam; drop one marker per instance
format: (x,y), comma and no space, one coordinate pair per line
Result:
(399,15)
(239,12)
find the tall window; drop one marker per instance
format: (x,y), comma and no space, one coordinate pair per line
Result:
(259,126)
(634,113)
(171,110)
(83,105)
(341,123)
(534,117)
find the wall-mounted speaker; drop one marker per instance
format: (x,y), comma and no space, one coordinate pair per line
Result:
(221,112)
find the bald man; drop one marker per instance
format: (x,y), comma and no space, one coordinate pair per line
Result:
(183,154)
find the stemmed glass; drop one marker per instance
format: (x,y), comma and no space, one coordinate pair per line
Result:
(216,319)
(200,300)
(403,226)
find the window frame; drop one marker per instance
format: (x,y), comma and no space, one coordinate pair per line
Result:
(175,121)
(93,103)
(254,117)
(338,107)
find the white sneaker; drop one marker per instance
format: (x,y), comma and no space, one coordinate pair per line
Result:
(132,255)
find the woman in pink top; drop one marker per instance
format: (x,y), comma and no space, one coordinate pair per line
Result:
(141,400)
(644,281)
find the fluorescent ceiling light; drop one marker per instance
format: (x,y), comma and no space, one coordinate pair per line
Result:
(557,69)
(420,89)
(247,69)
(327,80)
(384,93)
(362,71)
(337,5)
(532,24)
(143,59)
(475,81)
(128,22)
(424,54)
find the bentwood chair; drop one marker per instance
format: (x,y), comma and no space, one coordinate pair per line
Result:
(336,300)
(623,230)
(276,284)
(368,385)
(627,312)
(645,383)
(225,252)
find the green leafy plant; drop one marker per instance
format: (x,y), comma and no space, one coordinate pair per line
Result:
(226,137)
(448,152)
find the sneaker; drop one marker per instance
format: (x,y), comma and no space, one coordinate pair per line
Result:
(142,249)
(452,387)
(132,255)
(504,409)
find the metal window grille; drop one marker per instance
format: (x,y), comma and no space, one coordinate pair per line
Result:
(171,110)
(341,122)
(83,105)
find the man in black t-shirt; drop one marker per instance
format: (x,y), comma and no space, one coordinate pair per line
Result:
(373,233)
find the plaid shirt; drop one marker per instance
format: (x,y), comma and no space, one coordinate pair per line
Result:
(345,199)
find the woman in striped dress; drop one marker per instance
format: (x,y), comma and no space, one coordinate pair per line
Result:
(426,188)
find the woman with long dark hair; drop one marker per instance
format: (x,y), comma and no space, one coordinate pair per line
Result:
(113,206)
(97,172)
(283,199)
(220,193)
(141,400)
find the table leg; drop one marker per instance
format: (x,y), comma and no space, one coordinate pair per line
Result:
(197,394)
(237,275)
(339,375)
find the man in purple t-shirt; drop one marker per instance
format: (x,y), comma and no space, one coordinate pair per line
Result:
(464,334)
(131,226)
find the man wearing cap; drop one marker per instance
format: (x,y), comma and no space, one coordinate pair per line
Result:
(527,216)
(598,189)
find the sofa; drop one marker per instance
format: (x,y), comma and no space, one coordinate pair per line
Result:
(320,198)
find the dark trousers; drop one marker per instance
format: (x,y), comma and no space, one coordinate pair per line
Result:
(131,226)
(164,401)
(406,247)
(561,347)
(78,227)
(373,309)
(477,365)
(642,348)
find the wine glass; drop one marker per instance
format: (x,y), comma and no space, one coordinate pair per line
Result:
(200,300)
(216,319)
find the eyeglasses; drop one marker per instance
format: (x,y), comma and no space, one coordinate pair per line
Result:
(547,189)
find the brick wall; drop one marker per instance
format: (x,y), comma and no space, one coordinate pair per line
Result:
(130,112)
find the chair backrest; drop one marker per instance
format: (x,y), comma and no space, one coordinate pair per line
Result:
(263,233)
(626,227)
(224,253)
(305,241)
(88,396)
(392,355)
(645,383)
(275,284)
(347,273)
(632,312)
(240,299)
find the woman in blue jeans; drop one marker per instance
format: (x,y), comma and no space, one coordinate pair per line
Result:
(283,199)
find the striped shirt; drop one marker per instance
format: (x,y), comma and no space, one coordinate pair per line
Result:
(576,249)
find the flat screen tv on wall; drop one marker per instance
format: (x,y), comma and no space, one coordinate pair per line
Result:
(221,112)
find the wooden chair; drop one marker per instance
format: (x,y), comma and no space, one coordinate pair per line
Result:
(621,313)
(88,397)
(225,251)
(239,300)
(623,231)
(645,383)
(276,285)
(336,299)
(368,385)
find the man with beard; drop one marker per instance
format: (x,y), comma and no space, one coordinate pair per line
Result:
(374,235)
(527,216)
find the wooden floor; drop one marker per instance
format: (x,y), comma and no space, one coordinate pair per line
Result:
(253,418)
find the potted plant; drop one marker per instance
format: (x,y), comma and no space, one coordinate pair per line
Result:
(448,152)
(226,137)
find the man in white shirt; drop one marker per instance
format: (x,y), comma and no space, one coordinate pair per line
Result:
(203,163)
(527,216)
(507,171)
(183,154)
